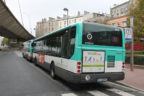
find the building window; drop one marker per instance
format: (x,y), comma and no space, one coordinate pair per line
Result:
(125,10)
(121,10)
(64,23)
(75,21)
(69,21)
(113,24)
(117,12)
(124,24)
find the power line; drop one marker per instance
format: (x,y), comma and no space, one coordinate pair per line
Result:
(20,13)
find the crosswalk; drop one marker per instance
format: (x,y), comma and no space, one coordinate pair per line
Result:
(120,92)
(116,92)
(97,93)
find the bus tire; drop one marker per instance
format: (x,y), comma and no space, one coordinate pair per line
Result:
(23,55)
(52,71)
(35,61)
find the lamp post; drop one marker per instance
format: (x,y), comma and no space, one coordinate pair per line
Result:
(65,9)
(4,1)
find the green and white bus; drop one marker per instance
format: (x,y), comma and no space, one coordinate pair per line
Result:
(27,50)
(82,53)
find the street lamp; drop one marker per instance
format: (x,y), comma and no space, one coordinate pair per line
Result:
(65,9)
(4,1)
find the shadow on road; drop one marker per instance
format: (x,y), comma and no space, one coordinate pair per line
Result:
(78,87)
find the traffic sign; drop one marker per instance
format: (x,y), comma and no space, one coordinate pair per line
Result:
(128,34)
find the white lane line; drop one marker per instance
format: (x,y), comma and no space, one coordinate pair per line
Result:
(19,54)
(111,83)
(69,94)
(120,92)
(97,93)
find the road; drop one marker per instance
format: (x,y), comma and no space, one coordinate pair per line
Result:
(18,77)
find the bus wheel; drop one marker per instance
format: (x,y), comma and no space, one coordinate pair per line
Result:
(35,61)
(23,55)
(52,71)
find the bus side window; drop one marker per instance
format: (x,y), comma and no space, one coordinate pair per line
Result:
(68,42)
(72,41)
(65,41)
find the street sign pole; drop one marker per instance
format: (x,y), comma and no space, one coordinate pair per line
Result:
(132,46)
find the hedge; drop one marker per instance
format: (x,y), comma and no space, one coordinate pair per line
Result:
(138,60)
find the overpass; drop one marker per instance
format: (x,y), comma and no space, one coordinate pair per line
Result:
(10,27)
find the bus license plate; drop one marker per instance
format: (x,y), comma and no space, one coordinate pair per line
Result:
(102,80)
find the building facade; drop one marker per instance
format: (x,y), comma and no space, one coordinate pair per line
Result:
(120,14)
(120,10)
(46,26)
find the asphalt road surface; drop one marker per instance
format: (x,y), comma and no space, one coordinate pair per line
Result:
(18,77)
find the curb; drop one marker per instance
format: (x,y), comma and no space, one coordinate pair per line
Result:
(127,85)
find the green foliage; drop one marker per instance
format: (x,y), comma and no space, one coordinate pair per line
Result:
(135,52)
(138,60)
(5,41)
(20,43)
(137,11)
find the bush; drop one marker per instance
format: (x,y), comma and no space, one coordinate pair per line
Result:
(136,52)
(138,60)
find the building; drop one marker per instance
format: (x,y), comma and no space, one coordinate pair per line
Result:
(46,26)
(120,14)
(120,10)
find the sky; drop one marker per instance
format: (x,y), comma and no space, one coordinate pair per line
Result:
(34,10)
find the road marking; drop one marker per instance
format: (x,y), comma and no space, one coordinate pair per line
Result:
(69,94)
(122,86)
(97,93)
(19,54)
(120,92)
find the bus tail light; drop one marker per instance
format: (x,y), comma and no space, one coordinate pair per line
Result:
(78,71)
(31,55)
(123,64)
(78,67)
(78,63)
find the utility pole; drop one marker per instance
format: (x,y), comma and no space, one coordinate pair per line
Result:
(132,41)
(132,45)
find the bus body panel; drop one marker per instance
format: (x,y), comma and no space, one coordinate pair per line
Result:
(68,69)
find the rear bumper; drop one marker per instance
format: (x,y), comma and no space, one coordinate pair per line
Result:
(109,76)
(79,78)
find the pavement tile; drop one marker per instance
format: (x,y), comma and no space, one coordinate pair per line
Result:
(134,78)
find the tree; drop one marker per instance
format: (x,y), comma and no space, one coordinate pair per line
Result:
(137,11)
(5,41)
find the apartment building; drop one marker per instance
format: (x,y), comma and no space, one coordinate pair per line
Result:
(46,26)
(120,14)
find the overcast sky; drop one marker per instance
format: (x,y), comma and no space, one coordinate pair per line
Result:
(34,10)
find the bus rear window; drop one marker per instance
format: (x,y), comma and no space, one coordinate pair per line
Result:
(96,34)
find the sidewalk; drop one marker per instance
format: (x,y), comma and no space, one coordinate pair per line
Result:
(134,78)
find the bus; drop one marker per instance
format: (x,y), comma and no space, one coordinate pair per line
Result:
(82,53)
(27,50)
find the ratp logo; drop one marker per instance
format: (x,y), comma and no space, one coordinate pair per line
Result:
(89,36)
